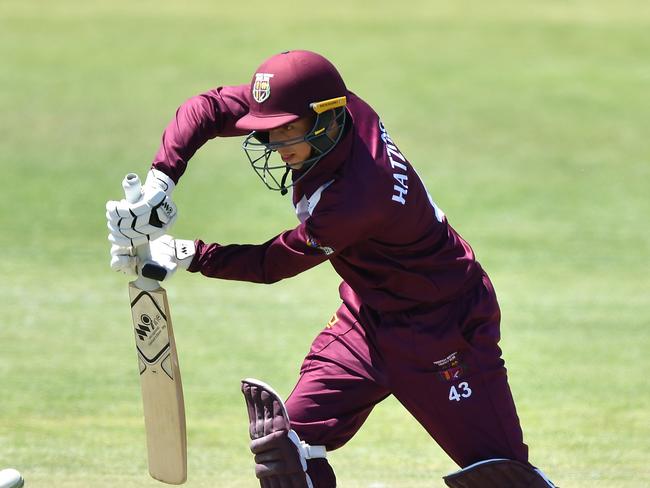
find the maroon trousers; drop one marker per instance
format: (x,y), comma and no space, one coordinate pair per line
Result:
(443,364)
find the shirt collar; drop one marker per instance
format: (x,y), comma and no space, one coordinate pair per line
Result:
(327,167)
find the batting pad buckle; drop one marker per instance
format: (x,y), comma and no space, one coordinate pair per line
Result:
(306,450)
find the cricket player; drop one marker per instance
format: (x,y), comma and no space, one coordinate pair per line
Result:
(418,319)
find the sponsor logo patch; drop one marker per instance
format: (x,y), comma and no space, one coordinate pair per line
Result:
(167,208)
(333,321)
(449,368)
(311,242)
(262,87)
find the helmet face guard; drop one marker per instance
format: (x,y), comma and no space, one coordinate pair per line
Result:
(329,114)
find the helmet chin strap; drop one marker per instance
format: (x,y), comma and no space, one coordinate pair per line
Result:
(283,189)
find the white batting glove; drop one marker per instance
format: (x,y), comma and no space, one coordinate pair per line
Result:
(133,224)
(167,255)
(123,259)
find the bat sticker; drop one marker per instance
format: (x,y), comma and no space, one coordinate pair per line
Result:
(151,322)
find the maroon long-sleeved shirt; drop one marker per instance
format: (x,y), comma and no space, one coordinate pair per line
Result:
(362,207)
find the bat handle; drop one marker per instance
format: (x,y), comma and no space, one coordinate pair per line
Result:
(133,193)
(132,188)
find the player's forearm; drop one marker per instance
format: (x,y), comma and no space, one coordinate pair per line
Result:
(198,120)
(280,258)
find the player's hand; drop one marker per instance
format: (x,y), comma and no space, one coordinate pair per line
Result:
(167,255)
(133,224)
(123,259)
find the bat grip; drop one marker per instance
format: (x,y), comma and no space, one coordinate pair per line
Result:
(133,193)
(132,188)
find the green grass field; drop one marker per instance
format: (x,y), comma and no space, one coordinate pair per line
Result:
(527,120)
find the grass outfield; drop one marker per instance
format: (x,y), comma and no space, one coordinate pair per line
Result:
(527,120)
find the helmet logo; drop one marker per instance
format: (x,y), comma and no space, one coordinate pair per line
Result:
(262,87)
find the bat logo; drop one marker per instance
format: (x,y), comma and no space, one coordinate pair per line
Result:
(144,327)
(149,326)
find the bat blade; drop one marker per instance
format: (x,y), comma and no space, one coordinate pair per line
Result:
(160,379)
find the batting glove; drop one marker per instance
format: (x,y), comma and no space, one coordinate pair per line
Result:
(123,259)
(167,255)
(134,224)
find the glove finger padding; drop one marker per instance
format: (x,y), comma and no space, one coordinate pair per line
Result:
(117,209)
(138,229)
(156,209)
(123,209)
(123,260)
(144,234)
(135,226)
(147,219)
(122,241)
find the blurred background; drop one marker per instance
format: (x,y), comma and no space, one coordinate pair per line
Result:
(528,121)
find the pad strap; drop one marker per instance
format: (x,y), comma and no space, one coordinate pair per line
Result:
(307,451)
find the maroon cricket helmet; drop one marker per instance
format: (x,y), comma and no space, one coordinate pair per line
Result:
(284,87)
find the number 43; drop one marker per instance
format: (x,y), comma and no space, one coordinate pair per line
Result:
(463,391)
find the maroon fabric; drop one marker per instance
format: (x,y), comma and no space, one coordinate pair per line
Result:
(198,120)
(362,207)
(364,356)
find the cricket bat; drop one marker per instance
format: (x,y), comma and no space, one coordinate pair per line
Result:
(160,377)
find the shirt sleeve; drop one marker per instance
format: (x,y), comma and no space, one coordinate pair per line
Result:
(198,120)
(286,255)
(322,236)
